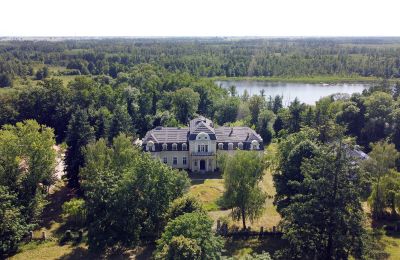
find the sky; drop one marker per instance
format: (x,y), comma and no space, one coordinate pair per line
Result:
(199,18)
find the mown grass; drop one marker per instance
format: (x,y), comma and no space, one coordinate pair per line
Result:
(51,250)
(329,79)
(209,192)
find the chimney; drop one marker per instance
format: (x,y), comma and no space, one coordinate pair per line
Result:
(230,134)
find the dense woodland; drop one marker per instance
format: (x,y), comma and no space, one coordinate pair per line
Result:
(121,88)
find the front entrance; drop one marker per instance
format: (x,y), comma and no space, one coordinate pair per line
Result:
(202,165)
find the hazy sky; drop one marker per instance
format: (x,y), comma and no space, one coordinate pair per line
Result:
(199,18)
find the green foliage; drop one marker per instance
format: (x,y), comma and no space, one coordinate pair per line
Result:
(179,248)
(80,133)
(266,120)
(186,204)
(378,107)
(127,193)
(254,256)
(12,223)
(288,176)
(189,236)
(227,110)
(324,220)
(256,104)
(186,102)
(242,173)
(42,73)
(75,211)
(379,172)
(5,80)
(27,164)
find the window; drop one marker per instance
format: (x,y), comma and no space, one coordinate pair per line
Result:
(184,147)
(164,147)
(174,147)
(150,146)
(195,162)
(202,148)
(240,145)
(221,146)
(254,145)
(175,161)
(184,160)
(230,146)
(165,160)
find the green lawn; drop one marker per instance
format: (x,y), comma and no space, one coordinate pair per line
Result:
(208,191)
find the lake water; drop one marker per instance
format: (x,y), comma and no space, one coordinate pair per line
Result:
(307,93)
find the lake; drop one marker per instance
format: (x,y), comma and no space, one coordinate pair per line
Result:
(305,92)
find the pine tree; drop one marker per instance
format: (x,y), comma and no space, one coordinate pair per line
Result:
(80,133)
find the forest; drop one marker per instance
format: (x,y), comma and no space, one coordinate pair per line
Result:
(94,98)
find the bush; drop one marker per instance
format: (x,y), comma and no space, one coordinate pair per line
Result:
(74,211)
(186,234)
(186,204)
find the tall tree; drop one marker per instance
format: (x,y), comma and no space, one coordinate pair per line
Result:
(266,120)
(120,123)
(382,159)
(186,102)
(243,172)
(27,161)
(256,104)
(325,219)
(127,193)
(80,133)
(12,223)
(295,110)
(292,151)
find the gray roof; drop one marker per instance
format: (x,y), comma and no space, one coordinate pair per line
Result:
(167,135)
(236,134)
(201,124)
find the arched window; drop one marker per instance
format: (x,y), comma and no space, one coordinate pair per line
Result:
(164,147)
(221,146)
(254,145)
(150,146)
(184,147)
(230,146)
(240,145)
(174,147)
(202,136)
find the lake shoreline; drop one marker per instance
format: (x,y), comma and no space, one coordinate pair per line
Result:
(310,80)
(308,93)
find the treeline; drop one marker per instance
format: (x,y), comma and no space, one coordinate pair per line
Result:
(205,57)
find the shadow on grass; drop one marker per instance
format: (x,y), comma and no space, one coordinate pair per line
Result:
(53,211)
(78,253)
(197,181)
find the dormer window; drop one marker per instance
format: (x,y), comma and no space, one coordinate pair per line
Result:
(230,146)
(174,147)
(240,146)
(221,146)
(150,146)
(164,147)
(184,147)
(255,145)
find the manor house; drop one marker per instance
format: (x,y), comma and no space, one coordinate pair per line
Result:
(197,147)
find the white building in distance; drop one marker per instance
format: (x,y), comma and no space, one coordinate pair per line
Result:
(197,147)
